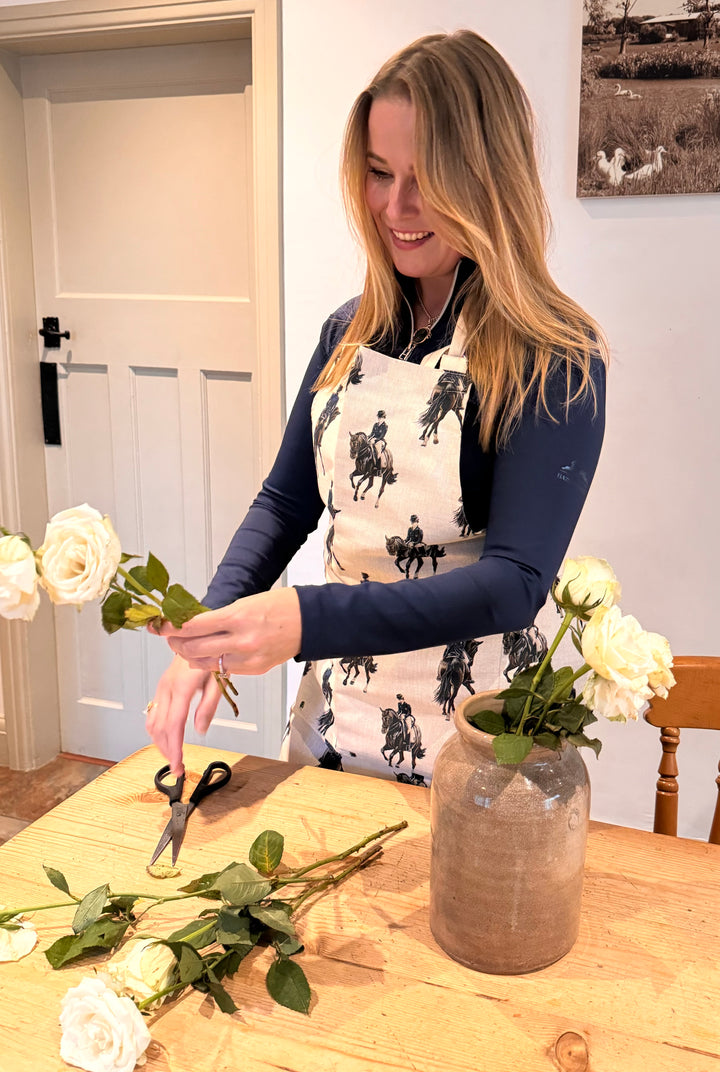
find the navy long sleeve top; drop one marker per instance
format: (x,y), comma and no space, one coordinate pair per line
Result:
(527,495)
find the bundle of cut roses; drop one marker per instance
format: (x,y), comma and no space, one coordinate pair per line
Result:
(246,906)
(80,560)
(627,667)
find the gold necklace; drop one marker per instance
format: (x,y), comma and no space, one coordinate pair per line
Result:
(431,320)
(420,335)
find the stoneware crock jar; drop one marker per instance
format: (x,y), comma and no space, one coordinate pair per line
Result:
(508,850)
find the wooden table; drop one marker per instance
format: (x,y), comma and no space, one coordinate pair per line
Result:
(641,986)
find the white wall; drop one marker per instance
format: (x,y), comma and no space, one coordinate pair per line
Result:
(645,267)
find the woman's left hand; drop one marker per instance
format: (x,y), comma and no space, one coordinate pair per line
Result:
(252,634)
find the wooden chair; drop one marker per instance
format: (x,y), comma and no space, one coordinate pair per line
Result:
(694,703)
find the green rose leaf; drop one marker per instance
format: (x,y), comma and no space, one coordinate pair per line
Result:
(489,721)
(266,851)
(190,964)
(230,962)
(571,716)
(220,995)
(113,611)
(157,576)
(127,558)
(511,748)
(139,614)
(287,985)
(562,683)
(203,885)
(138,574)
(58,879)
(581,741)
(98,937)
(236,929)
(123,905)
(240,885)
(548,740)
(197,933)
(179,606)
(276,915)
(90,908)
(287,944)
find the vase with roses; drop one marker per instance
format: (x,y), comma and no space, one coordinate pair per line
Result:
(510,797)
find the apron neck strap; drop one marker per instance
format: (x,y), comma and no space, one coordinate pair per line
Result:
(454,359)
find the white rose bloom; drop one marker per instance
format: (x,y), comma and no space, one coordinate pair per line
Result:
(101,1032)
(19,594)
(614,702)
(585,581)
(618,648)
(16,944)
(79,556)
(143,968)
(661,677)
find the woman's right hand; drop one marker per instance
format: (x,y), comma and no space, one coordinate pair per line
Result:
(170,707)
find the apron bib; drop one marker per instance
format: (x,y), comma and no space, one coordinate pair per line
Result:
(387,452)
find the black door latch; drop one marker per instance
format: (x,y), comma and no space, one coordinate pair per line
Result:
(51,333)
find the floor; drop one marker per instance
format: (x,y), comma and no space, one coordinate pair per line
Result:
(26,795)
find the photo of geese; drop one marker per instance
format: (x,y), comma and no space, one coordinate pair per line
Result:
(649,98)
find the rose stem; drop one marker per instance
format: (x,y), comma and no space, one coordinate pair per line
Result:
(333,880)
(355,848)
(569,615)
(137,586)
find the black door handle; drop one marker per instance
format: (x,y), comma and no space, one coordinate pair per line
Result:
(51,333)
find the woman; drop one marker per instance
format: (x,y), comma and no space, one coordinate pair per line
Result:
(450,420)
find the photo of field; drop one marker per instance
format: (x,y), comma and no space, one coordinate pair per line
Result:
(650,104)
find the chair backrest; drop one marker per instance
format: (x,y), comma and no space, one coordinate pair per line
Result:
(694,703)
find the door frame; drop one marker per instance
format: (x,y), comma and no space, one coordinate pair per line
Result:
(30,714)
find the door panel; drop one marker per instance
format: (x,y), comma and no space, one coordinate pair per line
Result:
(141,183)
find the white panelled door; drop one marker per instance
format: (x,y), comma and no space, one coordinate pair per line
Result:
(141,185)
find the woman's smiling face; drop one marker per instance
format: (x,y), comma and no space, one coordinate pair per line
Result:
(406,225)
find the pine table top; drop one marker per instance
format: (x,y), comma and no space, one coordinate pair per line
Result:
(639,991)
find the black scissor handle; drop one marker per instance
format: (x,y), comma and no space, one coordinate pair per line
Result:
(209,783)
(172,792)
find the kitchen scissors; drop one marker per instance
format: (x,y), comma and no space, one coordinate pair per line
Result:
(215,776)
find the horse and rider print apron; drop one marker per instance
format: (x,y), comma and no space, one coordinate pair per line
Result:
(387,451)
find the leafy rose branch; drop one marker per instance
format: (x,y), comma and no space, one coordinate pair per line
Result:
(211,946)
(81,560)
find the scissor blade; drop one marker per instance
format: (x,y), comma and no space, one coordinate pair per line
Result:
(174,831)
(177,828)
(163,842)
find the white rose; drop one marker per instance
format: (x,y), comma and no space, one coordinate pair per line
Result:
(143,968)
(79,556)
(661,678)
(101,1032)
(16,944)
(19,595)
(612,701)
(586,581)
(618,648)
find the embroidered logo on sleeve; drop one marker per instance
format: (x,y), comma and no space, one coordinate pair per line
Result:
(572,474)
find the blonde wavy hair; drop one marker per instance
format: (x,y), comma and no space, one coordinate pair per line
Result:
(475,167)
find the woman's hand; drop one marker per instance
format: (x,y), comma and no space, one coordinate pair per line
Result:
(252,634)
(168,711)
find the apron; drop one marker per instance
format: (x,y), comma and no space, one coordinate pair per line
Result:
(387,452)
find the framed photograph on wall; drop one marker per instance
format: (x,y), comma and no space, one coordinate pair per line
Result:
(649,98)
